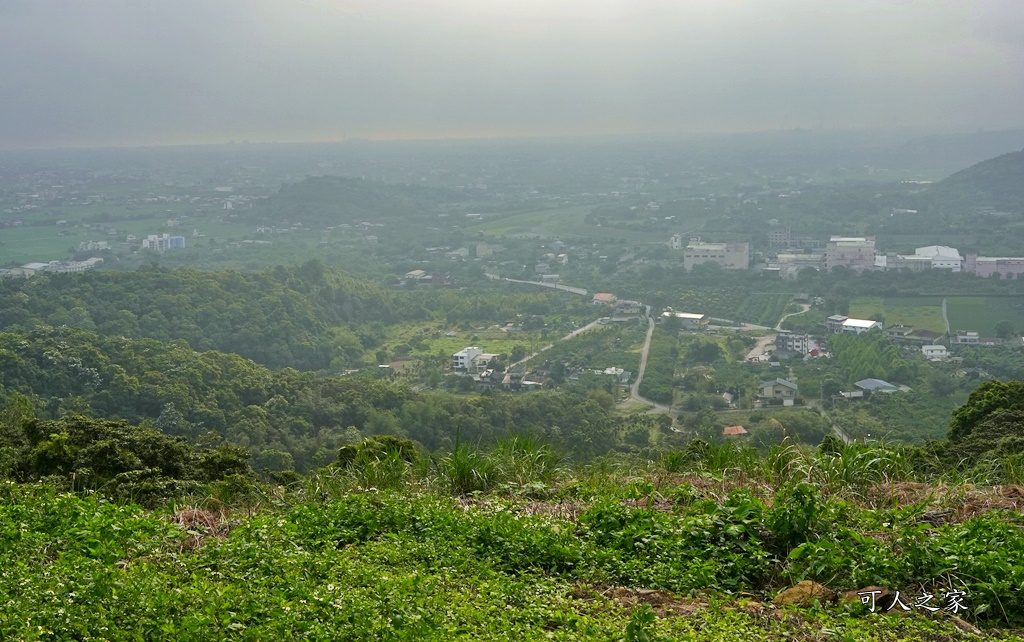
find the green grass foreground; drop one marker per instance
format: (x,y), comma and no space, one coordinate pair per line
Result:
(601,556)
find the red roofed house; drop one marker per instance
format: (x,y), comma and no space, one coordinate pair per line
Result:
(603,298)
(730,431)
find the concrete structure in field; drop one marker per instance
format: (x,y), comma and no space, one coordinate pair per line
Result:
(898,331)
(852,252)
(733,256)
(839,323)
(986,266)
(687,320)
(967,338)
(860,326)
(471,360)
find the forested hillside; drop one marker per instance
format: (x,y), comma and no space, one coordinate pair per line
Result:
(997,182)
(304,416)
(277,317)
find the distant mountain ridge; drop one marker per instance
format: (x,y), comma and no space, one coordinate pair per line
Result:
(997,182)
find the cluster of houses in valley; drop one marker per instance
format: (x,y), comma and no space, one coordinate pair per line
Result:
(484,371)
(156,242)
(422,278)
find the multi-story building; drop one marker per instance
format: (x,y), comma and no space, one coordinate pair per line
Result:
(834,323)
(163,242)
(783,237)
(792,342)
(852,252)
(967,337)
(779,236)
(472,360)
(735,256)
(1004,266)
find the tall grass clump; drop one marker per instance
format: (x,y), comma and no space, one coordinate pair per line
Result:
(465,470)
(785,463)
(724,459)
(525,459)
(381,463)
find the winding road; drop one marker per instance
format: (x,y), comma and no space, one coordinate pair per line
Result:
(764,341)
(634,390)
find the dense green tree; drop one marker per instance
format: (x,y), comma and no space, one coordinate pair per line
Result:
(117,458)
(985,400)
(1005,329)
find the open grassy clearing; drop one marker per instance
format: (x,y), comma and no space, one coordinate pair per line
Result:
(981,314)
(616,345)
(923,313)
(534,222)
(492,341)
(20,245)
(553,223)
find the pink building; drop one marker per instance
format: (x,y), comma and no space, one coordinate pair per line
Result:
(986,266)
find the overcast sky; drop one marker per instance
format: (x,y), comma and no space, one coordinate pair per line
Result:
(140,72)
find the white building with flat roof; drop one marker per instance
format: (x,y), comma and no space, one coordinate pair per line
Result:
(859,326)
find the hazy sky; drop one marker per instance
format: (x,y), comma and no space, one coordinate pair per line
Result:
(115,72)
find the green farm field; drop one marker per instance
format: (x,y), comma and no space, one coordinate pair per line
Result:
(20,245)
(568,221)
(981,314)
(923,313)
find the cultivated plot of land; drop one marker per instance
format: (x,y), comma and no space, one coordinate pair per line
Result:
(764,308)
(47,243)
(552,223)
(923,313)
(981,314)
